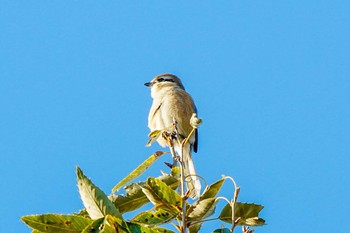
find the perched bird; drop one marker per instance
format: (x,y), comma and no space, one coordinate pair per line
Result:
(171,102)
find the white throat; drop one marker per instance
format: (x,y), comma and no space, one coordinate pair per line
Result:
(158,93)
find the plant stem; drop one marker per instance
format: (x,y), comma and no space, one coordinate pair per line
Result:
(182,171)
(233,205)
(183,194)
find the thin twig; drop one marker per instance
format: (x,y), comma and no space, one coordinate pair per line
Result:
(234,223)
(184,142)
(233,202)
(183,194)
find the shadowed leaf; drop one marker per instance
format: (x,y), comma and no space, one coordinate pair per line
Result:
(202,209)
(56,223)
(248,214)
(194,228)
(95,201)
(138,171)
(209,193)
(222,230)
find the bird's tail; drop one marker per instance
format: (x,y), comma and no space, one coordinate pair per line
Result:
(192,180)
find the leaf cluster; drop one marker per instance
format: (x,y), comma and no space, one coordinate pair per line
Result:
(104,214)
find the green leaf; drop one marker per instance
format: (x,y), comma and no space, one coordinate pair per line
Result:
(56,223)
(95,226)
(82,213)
(151,218)
(202,209)
(135,198)
(138,171)
(162,195)
(222,230)
(209,193)
(175,171)
(212,190)
(129,203)
(247,210)
(194,228)
(36,231)
(248,214)
(108,224)
(135,228)
(171,181)
(153,136)
(135,188)
(95,200)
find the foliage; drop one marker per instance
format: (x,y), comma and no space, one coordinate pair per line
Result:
(104,214)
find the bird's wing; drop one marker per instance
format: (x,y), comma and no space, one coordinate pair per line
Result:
(156,110)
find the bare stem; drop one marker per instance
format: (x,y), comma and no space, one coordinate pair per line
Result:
(233,202)
(233,205)
(184,142)
(183,194)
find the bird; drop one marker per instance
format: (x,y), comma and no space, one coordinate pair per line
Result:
(172,102)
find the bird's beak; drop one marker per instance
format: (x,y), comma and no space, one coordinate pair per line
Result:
(149,84)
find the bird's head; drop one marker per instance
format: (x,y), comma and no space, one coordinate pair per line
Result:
(165,80)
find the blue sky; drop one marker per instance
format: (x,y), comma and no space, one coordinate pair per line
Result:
(270,79)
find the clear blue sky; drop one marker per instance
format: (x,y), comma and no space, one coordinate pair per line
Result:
(271,81)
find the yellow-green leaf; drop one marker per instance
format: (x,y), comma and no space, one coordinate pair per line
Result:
(152,217)
(162,195)
(129,203)
(36,231)
(175,171)
(56,223)
(153,136)
(108,224)
(138,171)
(94,199)
(135,198)
(135,228)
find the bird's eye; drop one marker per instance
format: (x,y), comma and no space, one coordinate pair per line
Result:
(160,79)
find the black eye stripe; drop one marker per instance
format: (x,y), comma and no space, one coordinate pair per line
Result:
(165,80)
